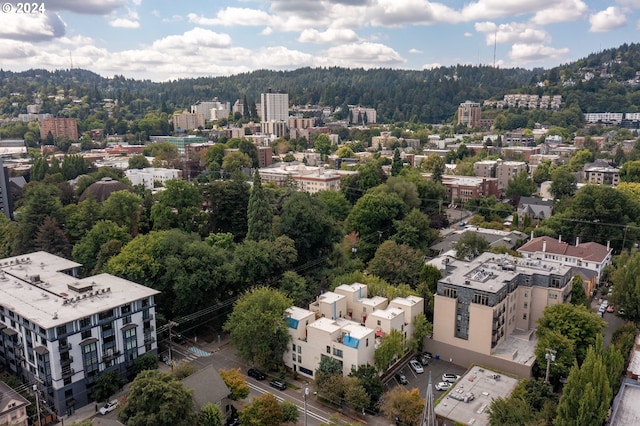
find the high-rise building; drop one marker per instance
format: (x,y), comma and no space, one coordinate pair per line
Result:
(188,121)
(61,332)
(274,106)
(469,114)
(59,127)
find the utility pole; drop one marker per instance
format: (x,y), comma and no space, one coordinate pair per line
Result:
(35,390)
(171,324)
(550,356)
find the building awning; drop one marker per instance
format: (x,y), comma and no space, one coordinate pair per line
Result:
(129,327)
(41,350)
(9,332)
(88,341)
(2,326)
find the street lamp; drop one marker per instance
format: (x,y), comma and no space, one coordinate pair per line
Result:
(306,394)
(550,356)
(35,390)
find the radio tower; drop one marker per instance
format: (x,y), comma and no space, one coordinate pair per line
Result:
(70,60)
(428,414)
(495,41)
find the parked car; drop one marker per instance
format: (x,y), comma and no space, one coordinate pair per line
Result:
(416,366)
(422,359)
(451,378)
(109,406)
(179,339)
(256,374)
(443,386)
(278,384)
(402,379)
(610,309)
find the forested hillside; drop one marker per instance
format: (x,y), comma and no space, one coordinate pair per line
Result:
(604,81)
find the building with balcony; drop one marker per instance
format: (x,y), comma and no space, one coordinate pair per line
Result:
(152,177)
(188,121)
(212,110)
(61,332)
(346,325)
(485,311)
(274,106)
(469,114)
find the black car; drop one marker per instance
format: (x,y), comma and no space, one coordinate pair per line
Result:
(278,384)
(179,339)
(234,418)
(256,374)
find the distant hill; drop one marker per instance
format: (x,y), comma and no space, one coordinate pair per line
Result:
(601,82)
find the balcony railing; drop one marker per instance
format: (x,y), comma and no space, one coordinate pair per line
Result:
(149,338)
(68,372)
(108,356)
(64,348)
(66,361)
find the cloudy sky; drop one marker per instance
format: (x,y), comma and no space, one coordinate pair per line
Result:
(171,39)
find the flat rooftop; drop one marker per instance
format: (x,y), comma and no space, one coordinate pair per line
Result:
(486,385)
(490,272)
(626,410)
(387,313)
(35,287)
(298,313)
(330,297)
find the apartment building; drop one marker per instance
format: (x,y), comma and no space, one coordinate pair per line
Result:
(485,311)
(188,121)
(519,152)
(13,407)
(464,188)
(507,170)
(212,110)
(307,178)
(274,106)
(6,201)
(62,332)
(346,325)
(601,172)
(485,168)
(59,126)
(588,255)
(362,115)
(152,177)
(469,114)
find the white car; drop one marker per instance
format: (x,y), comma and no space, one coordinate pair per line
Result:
(109,406)
(443,386)
(451,378)
(417,367)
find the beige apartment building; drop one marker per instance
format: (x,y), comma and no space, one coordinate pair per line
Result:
(469,114)
(346,325)
(188,121)
(485,311)
(507,170)
(59,126)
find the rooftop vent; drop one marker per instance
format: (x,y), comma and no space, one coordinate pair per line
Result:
(79,287)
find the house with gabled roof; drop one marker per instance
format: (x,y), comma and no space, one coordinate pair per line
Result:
(13,407)
(536,208)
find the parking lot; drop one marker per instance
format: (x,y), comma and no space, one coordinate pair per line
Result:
(436,367)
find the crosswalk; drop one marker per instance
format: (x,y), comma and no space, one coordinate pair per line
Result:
(192,354)
(199,352)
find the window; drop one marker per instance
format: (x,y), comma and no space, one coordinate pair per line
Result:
(299,349)
(86,334)
(364,309)
(293,347)
(85,322)
(481,299)
(337,352)
(145,303)
(126,320)
(450,292)
(367,341)
(125,309)
(526,305)
(61,330)
(293,357)
(524,316)
(526,294)
(553,296)
(328,349)
(105,314)
(299,358)
(378,322)
(555,283)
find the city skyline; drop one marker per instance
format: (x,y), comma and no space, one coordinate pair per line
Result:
(164,39)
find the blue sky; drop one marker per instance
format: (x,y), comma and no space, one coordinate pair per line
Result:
(171,39)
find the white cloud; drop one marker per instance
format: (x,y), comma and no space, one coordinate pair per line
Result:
(527,53)
(16,50)
(415,51)
(89,7)
(193,40)
(366,55)
(606,20)
(513,32)
(468,34)
(266,31)
(563,11)
(431,66)
(234,16)
(124,23)
(31,27)
(330,36)
(391,13)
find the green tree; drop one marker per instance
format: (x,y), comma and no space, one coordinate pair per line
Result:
(107,384)
(511,411)
(396,163)
(576,324)
(369,379)
(138,162)
(290,412)
(86,250)
(156,398)
(211,415)
(415,231)
(39,202)
(235,161)
(259,213)
(355,394)
(147,361)
(322,144)
(578,296)
(125,209)
(542,173)
(81,217)
(396,263)
(327,368)
(421,329)
(391,347)
(520,186)
(257,326)
(306,221)
(51,238)
(563,183)
(179,206)
(435,165)
(335,203)
(264,410)
(470,245)
(295,287)
(626,286)
(8,230)
(236,383)
(402,405)
(586,397)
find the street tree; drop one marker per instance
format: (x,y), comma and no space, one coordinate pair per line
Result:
(396,163)
(626,286)
(290,412)
(156,398)
(369,379)
(147,361)
(577,324)
(138,161)
(264,410)
(396,263)
(39,202)
(107,384)
(390,349)
(257,327)
(235,161)
(236,383)
(470,245)
(403,406)
(259,212)
(421,329)
(355,395)
(211,415)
